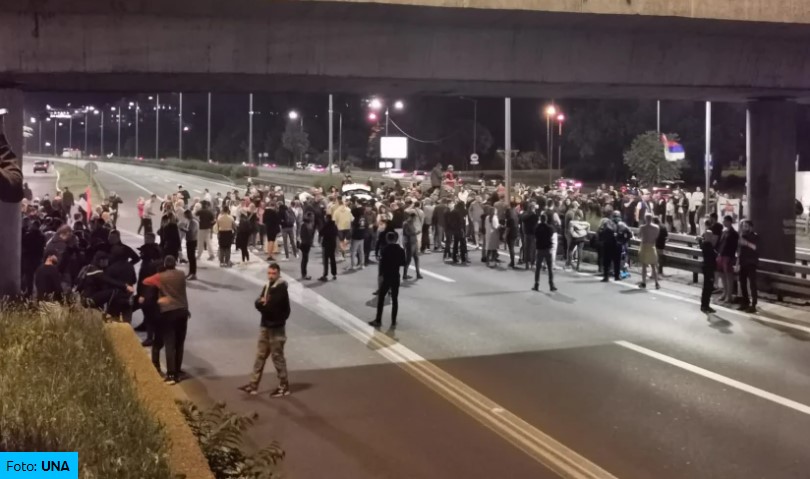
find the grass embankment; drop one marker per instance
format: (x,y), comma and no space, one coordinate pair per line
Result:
(77,180)
(62,388)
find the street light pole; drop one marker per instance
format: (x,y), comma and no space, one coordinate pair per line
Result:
(39,132)
(180,129)
(250,130)
(137,108)
(340,137)
(208,138)
(508,148)
(55,122)
(331,135)
(118,148)
(101,145)
(70,131)
(475,130)
(707,166)
(86,124)
(157,127)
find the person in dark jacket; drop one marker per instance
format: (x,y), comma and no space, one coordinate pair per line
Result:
(329,235)
(454,221)
(708,244)
(147,296)
(92,286)
(272,224)
(246,227)
(33,247)
(48,281)
(120,274)
(660,245)
(114,239)
(306,237)
(543,236)
(747,262)
(391,260)
(170,237)
(274,305)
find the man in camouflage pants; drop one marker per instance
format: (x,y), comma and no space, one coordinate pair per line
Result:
(274,306)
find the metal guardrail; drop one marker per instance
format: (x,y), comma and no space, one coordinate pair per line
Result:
(775,276)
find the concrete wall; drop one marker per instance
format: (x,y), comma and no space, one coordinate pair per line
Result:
(374,48)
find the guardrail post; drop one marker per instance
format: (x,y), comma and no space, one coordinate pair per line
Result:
(804,263)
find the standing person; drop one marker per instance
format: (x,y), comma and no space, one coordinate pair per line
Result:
(150,212)
(184,194)
(206,222)
(747,262)
(707,246)
(529,220)
(288,226)
(493,236)
(329,239)
(435,179)
(342,217)
(411,245)
(306,236)
(140,205)
(147,296)
(272,223)
(456,230)
(371,237)
(439,223)
(611,250)
(427,209)
(174,316)
(192,233)
(660,245)
(274,305)
(392,259)
(67,201)
(245,229)
(170,236)
(578,232)
(544,239)
(33,246)
(225,225)
(647,254)
(358,239)
(476,210)
(727,252)
(511,232)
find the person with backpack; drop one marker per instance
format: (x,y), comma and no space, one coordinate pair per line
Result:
(274,305)
(288,227)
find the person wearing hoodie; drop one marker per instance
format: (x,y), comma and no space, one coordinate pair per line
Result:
(120,274)
(274,306)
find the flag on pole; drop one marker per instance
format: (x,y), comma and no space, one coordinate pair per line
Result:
(673,151)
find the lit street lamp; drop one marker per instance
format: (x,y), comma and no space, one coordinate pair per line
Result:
(560,120)
(551,112)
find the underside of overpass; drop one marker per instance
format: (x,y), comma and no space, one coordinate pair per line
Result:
(356,47)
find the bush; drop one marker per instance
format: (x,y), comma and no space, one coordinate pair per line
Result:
(64,389)
(219,433)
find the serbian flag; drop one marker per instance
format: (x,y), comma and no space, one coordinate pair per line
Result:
(673,151)
(89,204)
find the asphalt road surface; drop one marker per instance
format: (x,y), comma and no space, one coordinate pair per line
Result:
(486,379)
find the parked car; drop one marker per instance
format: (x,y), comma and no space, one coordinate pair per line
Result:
(42,165)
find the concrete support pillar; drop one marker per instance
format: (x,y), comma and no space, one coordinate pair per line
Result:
(10,218)
(771,172)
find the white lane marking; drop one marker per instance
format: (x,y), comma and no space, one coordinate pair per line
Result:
(434,275)
(138,185)
(783,401)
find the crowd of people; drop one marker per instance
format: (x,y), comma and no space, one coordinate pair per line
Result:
(73,249)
